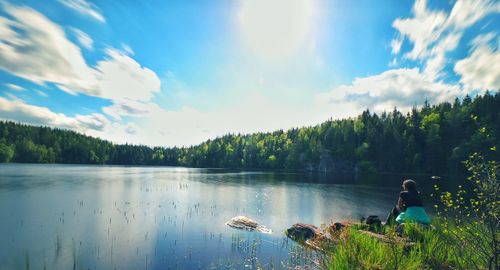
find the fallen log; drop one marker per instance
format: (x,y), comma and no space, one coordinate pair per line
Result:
(388,239)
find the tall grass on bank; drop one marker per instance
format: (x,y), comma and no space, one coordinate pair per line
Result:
(465,235)
(424,249)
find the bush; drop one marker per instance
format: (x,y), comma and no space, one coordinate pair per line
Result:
(473,217)
(465,235)
(6,152)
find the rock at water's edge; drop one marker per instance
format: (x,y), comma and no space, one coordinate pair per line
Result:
(302,232)
(242,222)
(245,223)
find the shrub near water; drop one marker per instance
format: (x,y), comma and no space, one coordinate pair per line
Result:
(472,218)
(464,236)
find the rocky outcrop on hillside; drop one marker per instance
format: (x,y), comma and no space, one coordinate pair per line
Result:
(327,163)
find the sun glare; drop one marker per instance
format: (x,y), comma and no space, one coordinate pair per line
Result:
(276,29)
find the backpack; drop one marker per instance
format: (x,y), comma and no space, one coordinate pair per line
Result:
(372,221)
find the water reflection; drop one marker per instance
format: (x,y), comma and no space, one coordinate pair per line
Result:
(92,217)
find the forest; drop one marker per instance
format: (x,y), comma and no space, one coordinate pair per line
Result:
(428,139)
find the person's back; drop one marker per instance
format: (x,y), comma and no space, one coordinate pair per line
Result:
(410,199)
(410,207)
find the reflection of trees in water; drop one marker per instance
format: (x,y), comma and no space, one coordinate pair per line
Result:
(167,216)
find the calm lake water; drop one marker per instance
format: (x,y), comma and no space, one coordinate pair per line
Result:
(117,217)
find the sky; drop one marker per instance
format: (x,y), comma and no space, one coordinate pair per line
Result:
(176,73)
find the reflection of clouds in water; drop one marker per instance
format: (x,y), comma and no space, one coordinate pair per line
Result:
(129,206)
(127,217)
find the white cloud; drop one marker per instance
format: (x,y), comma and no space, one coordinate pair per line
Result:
(422,30)
(481,69)
(402,88)
(131,128)
(396,45)
(435,64)
(393,63)
(147,123)
(482,40)
(84,7)
(36,49)
(41,93)
(256,112)
(13,97)
(94,124)
(14,87)
(435,33)
(17,110)
(465,13)
(130,108)
(94,121)
(187,126)
(127,49)
(120,78)
(83,38)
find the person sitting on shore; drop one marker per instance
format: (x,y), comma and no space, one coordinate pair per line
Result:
(410,207)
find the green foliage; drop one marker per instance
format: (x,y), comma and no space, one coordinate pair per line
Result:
(433,139)
(423,248)
(464,236)
(472,215)
(6,152)
(431,121)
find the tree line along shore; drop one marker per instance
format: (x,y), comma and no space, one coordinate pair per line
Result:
(431,139)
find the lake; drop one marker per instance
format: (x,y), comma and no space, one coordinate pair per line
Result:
(118,217)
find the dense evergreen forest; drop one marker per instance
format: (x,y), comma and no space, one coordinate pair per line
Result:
(430,139)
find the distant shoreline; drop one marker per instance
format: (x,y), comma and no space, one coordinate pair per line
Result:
(314,172)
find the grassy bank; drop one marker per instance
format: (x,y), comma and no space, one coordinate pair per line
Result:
(424,249)
(465,235)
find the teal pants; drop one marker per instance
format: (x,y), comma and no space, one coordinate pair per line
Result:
(414,214)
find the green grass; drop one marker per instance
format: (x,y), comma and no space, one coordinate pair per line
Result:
(432,249)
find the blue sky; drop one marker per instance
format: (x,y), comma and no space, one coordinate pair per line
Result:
(180,72)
